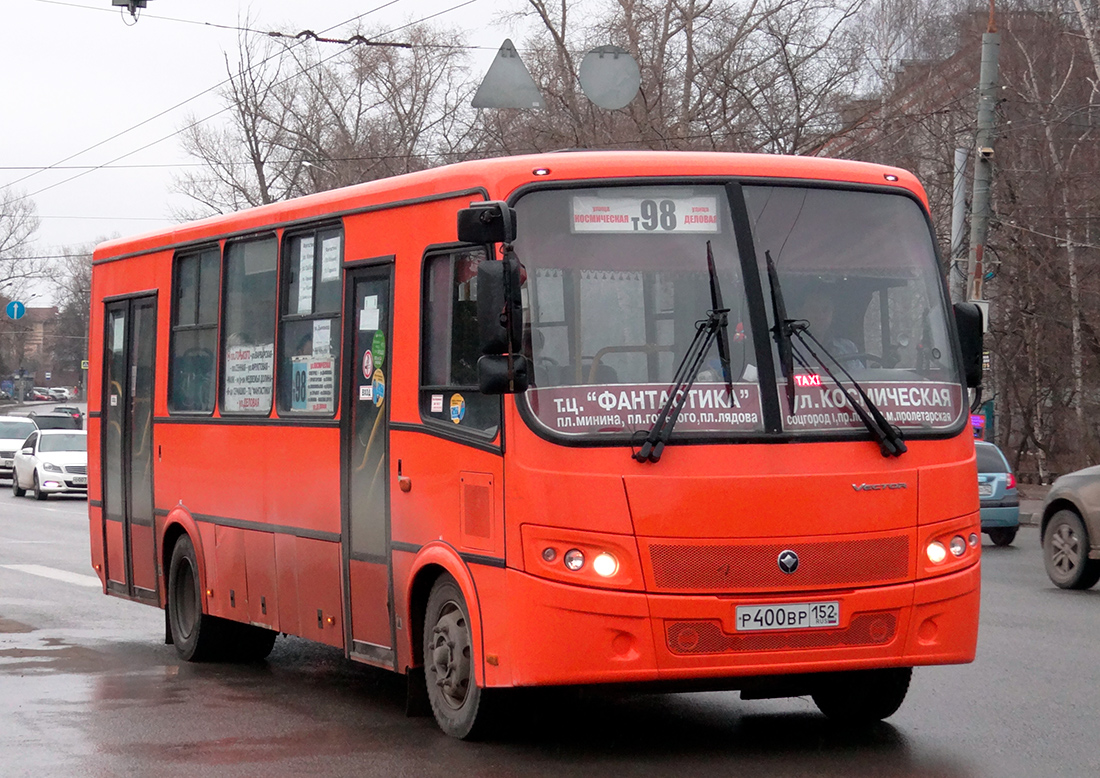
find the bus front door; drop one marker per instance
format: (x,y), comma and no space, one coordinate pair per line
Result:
(127,445)
(366,499)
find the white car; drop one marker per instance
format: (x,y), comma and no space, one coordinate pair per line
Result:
(58,393)
(52,462)
(13,431)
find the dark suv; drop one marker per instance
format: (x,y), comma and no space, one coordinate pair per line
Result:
(54,421)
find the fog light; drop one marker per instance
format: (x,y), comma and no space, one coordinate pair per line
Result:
(936,552)
(958,545)
(606,565)
(973,540)
(574,559)
(549,554)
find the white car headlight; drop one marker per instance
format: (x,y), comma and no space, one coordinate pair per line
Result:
(50,467)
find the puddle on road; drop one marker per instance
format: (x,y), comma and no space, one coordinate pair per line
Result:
(7,626)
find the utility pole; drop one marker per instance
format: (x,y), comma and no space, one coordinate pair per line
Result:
(988,80)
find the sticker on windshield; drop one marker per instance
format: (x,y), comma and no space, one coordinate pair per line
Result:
(821,406)
(629,407)
(654,215)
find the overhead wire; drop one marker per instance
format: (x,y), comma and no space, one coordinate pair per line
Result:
(165,111)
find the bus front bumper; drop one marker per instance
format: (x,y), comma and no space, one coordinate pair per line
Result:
(563,635)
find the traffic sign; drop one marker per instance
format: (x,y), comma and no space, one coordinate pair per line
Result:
(83,364)
(16,309)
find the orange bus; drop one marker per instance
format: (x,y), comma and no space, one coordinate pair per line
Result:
(672,420)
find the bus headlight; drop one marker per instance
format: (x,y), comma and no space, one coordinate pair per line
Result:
(958,545)
(606,565)
(574,559)
(936,552)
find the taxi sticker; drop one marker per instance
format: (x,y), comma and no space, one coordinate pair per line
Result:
(378,387)
(378,346)
(458,408)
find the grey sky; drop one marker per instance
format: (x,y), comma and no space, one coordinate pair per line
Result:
(74,75)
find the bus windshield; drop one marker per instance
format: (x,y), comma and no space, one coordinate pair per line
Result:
(618,282)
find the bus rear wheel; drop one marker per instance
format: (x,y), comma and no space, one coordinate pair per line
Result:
(458,703)
(864,696)
(197,636)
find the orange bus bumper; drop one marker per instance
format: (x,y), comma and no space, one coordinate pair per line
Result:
(564,634)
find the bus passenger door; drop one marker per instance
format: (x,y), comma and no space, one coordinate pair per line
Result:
(127,446)
(365,434)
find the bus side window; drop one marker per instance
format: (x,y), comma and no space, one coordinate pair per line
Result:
(449,391)
(309,357)
(248,357)
(191,356)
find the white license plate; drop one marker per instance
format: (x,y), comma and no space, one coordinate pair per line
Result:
(985,490)
(789,615)
(80,480)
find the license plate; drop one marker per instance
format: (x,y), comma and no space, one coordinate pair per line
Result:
(985,490)
(789,615)
(80,480)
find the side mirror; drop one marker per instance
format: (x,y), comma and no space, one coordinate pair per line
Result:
(968,321)
(489,222)
(495,377)
(500,306)
(29,451)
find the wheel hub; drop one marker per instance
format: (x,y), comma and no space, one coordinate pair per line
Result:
(1066,550)
(451,655)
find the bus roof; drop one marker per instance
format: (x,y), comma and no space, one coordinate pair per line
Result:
(502,175)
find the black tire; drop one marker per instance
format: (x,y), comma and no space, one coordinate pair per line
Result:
(1066,552)
(1002,536)
(458,703)
(248,643)
(198,637)
(16,489)
(37,490)
(863,697)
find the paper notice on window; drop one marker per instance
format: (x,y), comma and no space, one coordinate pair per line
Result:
(249,375)
(330,259)
(322,336)
(645,215)
(305,277)
(369,316)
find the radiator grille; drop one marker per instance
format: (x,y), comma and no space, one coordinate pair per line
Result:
(77,469)
(7,454)
(706,637)
(479,506)
(730,568)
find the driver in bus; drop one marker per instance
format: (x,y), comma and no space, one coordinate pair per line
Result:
(818,310)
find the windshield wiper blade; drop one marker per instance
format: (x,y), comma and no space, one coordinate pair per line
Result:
(889,437)
(782,329)
(705,332)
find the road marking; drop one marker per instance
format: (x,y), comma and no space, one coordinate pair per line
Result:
(57,575)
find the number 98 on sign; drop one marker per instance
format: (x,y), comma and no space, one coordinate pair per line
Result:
(657,215)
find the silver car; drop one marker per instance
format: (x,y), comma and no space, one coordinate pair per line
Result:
(1070,529)
(13,431)
(52,462)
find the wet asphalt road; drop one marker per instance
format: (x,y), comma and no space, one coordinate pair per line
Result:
(87,688)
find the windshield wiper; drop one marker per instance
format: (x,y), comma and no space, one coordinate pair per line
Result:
(890,439)
(705,333)
(782,329)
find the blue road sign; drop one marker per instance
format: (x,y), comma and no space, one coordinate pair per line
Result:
(16,310)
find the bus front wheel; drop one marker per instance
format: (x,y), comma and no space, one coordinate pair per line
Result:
(864,696)
(458,703)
